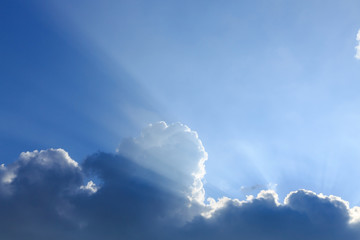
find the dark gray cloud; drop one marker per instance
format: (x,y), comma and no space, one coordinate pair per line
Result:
(47,195)
(304,216)
(36,192)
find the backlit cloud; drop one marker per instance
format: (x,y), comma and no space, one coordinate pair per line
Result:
(172,151)
(150,190)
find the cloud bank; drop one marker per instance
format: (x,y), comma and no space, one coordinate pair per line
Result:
(357,55)
(152,189)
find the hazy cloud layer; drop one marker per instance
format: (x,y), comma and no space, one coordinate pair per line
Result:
(357,55)
(145,192)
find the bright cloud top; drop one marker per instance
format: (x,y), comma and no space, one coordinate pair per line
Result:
(357,55)
(150,190)
(173,151)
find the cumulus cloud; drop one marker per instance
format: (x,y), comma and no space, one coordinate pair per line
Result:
(357,55)
(145,192)
(304,215)
(35,194)
(173,151)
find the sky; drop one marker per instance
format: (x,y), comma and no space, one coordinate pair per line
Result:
(187,119)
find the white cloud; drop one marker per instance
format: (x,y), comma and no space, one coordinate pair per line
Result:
(354,215)
(173,151)
(6,175)
(49,158)
(357,55)
(90,187)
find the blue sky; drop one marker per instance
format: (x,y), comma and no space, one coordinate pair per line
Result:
(270,87)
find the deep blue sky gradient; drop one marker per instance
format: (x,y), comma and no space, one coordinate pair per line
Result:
(270,86)
(54,91)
